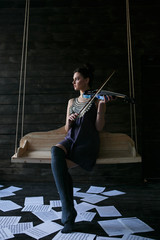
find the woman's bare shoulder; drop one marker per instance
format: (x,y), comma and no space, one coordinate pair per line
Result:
(70,102)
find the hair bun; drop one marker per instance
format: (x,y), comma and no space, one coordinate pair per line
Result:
(89,67)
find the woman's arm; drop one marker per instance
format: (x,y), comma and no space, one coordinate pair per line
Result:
(101,109)
(69,117)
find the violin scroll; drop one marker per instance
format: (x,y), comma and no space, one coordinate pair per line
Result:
(129,100)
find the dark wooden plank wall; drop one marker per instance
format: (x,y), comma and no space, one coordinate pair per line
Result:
(62,35)
(151,116)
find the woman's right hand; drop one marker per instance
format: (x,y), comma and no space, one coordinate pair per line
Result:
(72,117)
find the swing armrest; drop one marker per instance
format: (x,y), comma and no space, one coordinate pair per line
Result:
(22,149)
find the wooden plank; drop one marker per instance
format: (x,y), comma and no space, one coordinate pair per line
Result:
(36,99)
(33,119)
(110,173)
(11,129)
(37,108)
(7,152)
(43,157)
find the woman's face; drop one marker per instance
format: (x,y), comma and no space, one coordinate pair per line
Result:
(79,82)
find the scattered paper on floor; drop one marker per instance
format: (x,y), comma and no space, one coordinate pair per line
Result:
(47,216)
(36,208)
(43,230)
(34,200)
(113,193)
(20,227)
(94,189)
(108,211)
(74,236)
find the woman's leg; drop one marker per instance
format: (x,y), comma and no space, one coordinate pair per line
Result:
(64,186)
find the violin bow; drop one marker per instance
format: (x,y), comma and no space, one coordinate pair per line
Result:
(94,96)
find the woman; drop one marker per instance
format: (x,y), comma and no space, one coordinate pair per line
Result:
(81,144)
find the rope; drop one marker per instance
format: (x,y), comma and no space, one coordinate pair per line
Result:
(23,65)
(25,68)
(131,75)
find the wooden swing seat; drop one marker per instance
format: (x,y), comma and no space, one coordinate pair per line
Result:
(35,147)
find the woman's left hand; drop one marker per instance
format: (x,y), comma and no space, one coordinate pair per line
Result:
(102,103)
(106,99)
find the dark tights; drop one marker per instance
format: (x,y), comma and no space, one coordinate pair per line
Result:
(64,186)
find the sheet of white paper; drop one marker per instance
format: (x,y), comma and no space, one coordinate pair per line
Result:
(36,208)
(88,216)
(74,236)
(7,205)
(123,226)
(107,238)
(82,194)
(113,193)
(55,203)
(79,218)
(75,202)
(34,201)
(43,229)
(59,214)
(13,189)
(135,224)
(108,211)
(4,193)
(85,216)
(5,233)
(114,227)
(134,237)
(47,216)
(20,227)
(94,199)
(76,189)
(9,220)
(84,207)
(94,189)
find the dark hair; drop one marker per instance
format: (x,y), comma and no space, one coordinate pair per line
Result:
(87,71)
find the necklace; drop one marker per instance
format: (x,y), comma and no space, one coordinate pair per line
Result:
(77,106)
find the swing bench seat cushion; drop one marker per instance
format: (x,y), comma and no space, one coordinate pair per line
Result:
(115,148)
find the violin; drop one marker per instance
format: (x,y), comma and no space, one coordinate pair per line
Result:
(106,94)
(100,93)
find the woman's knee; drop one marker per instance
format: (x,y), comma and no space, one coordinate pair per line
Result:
(57,149)
(57,155)
(54,151)
(62,147)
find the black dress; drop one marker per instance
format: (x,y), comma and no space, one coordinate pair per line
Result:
(82,139)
